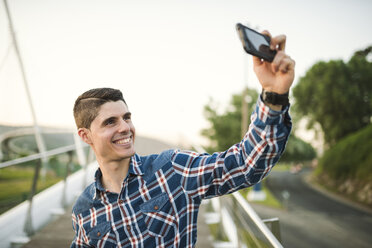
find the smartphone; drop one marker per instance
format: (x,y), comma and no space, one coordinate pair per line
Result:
(255,43)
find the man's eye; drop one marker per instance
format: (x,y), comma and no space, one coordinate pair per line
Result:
(109,122)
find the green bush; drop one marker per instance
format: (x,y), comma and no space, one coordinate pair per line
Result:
(351,157)
(297,150)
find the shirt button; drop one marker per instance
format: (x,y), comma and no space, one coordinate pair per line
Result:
(128,228)
(156,207)
(98,234)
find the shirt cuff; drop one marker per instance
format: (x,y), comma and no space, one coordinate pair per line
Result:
(268,116)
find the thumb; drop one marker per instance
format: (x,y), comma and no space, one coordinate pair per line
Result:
(257,61)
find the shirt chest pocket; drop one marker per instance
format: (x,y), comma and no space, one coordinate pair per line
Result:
(99,234)
(159,216)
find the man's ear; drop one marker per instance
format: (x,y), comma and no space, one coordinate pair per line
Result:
(84,134)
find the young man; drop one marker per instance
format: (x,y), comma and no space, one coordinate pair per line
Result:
(153,201)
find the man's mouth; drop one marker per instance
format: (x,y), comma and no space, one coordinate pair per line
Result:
(123,141)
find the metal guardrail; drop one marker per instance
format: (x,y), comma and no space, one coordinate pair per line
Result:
(28,227)
(36,156)
(260,224)
(248,229)
(241,226)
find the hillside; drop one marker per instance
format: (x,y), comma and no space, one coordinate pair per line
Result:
(347,166)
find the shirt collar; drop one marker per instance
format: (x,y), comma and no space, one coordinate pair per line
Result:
(134,169)
(135,165)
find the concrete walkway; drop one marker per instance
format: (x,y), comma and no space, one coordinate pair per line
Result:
(58,233)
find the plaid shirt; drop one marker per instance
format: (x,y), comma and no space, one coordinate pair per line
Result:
(160,198)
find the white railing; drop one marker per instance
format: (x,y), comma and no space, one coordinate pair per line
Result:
(36,156)
(248,229)
(22,221)
(45,207)
(267,233)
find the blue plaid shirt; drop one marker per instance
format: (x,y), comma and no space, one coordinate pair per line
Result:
(160,198)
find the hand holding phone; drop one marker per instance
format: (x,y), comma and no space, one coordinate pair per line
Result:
(274,68)
(255,43)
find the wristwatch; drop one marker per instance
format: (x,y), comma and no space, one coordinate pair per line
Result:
(275,98)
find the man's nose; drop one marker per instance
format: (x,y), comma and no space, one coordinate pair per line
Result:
(124,127)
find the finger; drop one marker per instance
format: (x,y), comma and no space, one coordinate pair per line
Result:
(291,64)
(267,33)
(278,42)
(280,55)
(286,64)
(257,61)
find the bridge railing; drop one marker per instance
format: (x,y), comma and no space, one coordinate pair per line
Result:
(20,222)
(242,225)
(238,225)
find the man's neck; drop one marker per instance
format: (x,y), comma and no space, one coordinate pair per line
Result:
(113,174)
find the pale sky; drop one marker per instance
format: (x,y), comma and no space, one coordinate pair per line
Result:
(168,57)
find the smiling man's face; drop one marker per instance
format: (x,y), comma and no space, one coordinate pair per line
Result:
(112,132)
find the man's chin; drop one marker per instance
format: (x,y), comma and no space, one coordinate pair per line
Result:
(127,154)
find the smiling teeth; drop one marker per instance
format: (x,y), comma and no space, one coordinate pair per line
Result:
(123,141)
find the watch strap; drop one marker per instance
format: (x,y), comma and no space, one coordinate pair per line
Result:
(275,98)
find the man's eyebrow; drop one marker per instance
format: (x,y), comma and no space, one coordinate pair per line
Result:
(112,118)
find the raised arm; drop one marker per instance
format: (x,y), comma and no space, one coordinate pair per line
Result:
(248,162)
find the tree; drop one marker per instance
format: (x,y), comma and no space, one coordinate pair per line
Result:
(297,150)
(337,95)
(225,129)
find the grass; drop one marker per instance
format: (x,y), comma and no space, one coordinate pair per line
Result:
(282,167)
(16,181)
(217,232)
(15,173)
(251,241)
(15,185)
(16,192)
(270,200)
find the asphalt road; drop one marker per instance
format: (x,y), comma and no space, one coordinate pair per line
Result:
(312,219)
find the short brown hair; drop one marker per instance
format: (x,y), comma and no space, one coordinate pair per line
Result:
(87,105)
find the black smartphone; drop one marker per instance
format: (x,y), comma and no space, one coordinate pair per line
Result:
(255,43)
